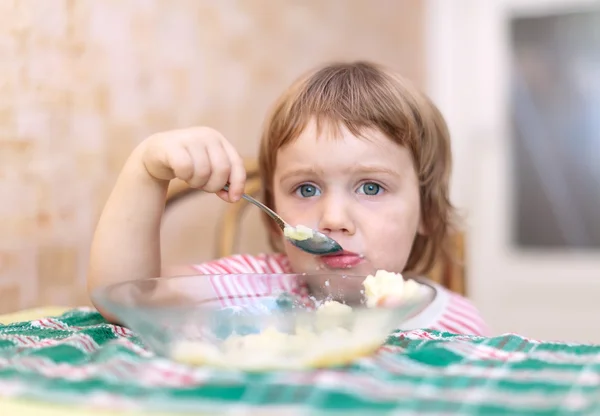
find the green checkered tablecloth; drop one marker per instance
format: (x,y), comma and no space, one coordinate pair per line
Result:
(79,358)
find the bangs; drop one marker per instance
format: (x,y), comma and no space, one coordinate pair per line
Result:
(359,97)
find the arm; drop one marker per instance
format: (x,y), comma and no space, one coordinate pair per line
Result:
(126,244)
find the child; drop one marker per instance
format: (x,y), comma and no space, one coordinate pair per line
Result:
(350,149)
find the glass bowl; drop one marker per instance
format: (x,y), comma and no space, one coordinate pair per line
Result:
(266,325)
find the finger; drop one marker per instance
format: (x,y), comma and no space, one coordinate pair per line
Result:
(180,162)
(200,165)
(237,175)
(224,195)
(220,168)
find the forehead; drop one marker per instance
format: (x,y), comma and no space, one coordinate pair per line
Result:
(336,146)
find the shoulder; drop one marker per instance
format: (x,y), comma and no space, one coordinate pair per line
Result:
(461,317)
(449,312)
(245,263)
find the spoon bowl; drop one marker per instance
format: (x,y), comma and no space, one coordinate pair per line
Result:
(317,243)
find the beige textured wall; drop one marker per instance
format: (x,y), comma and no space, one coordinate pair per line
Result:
(82,82)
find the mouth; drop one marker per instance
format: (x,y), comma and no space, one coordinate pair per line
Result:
(342,260)
(342,253)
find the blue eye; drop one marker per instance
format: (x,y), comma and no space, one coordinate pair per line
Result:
(370,188)
(307,191)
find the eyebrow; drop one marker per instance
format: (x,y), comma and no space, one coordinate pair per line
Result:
(359,168)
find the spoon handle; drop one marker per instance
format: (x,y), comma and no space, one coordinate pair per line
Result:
(280,222)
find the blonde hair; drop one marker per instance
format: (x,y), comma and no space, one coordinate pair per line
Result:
(362,95)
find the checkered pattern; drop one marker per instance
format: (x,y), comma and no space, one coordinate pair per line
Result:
(79,358)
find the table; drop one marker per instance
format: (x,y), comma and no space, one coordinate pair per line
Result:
(73,356)
(9,406)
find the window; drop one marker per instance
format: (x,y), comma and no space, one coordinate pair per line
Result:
(555,116)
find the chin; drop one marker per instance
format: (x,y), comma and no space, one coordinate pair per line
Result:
(358,270)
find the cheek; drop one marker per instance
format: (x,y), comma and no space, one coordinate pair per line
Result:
(295,212)
(393,233)
(390,237)
(395,219)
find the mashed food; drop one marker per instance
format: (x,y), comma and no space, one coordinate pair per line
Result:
(298,233)
(386,285)
(323,340)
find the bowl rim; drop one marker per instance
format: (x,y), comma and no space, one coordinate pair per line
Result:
(208,275)
(101,295)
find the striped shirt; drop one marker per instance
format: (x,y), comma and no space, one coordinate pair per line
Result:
(448,312)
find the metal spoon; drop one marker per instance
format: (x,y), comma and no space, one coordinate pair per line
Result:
(319,244)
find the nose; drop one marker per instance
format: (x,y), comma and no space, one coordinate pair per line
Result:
(336,216)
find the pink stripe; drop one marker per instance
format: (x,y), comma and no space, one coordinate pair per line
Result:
(288,283)
(475,316)
(461,300)
(220,289)
(461,319)
(464,308)
(253,265)
(463,303)
(216,287)
(244,266)
(199,268)
(223,268)
(250,286)
(215,268)
(460,323)
(56,324)
(274,265)
(42,322)
(25,340)
(448,328)
(471,315)
(285,263)
(203,269)
(124,331)
(241,287)
(88,344)
(236,265)
(83,342)
(261,264)
(229,289)
(254,284)
(234,285)
(215,281)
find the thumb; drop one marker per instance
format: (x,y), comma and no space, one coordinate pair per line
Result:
(224,195)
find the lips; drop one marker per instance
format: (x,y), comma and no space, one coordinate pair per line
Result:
(342,260)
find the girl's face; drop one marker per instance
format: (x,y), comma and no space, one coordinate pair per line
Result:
(361,191)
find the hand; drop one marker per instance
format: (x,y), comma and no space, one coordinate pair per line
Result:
(200,156)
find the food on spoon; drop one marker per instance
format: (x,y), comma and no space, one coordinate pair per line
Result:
(298,233)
